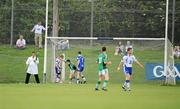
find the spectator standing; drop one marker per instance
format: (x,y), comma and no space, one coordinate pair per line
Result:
(38,30)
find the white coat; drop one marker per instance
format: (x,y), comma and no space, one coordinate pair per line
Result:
(32,64)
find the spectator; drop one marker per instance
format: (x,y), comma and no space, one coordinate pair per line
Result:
(21,43)
(128,45)
(38,30)
(177,52)
(63,44)
(119,49)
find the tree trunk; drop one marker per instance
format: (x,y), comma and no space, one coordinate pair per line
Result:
(55,18)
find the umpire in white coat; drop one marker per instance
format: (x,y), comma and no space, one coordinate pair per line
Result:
(32,63)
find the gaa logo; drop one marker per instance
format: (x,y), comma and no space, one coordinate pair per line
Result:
(158,72)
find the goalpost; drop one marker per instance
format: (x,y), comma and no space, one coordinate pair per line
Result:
(144,45)
(82,44)
(168,49)
(45,43)
(168,54)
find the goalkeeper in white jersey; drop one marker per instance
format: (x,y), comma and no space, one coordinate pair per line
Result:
(127,63)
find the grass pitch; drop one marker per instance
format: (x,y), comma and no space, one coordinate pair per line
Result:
(144,94)
(72,96)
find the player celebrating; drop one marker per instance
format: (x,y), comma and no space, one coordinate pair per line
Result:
(103,71)
(58,67)
(73,70)
(127,62)
(80,68)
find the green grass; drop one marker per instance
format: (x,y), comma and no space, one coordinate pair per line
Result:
(12,63)
(144,94)
(13,68)
(72,96)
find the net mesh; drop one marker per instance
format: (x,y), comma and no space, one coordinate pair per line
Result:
(145,51)
(53,48)
(170,73)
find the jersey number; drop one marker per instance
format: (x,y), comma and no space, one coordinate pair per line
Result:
(100,60)
(130,62)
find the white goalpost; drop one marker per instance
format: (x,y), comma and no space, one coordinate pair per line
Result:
(168,54)
(45,43)
(82,43)
(51,44)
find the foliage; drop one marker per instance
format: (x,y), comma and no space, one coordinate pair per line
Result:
(112,18)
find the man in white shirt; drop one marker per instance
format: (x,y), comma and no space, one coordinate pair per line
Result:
(63,44)
(21,43)
(38,30)
(119,49)
(128,45)
(32,63)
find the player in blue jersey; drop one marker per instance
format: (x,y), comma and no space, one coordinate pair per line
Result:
(127,63)
(80,68)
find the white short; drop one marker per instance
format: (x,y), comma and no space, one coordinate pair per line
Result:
(72,71)
(103,72)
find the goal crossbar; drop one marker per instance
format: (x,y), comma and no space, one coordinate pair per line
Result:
(106,38)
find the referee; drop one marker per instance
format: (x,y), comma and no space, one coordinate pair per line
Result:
(32,63)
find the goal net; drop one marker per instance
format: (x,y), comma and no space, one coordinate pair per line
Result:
(87,25)
(55,60)
(169,68)
(146,50)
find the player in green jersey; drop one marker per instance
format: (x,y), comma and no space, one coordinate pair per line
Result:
(102,62)
(73,70)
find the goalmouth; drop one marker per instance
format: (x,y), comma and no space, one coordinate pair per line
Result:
(82,43)
(168,47)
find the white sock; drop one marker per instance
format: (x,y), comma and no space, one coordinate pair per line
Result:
(128,85)
(84,79)
(124,84)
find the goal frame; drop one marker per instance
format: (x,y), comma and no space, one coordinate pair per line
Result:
(115,38)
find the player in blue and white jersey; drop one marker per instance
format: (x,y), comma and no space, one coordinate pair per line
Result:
(58,67)
(80,68)
(127,63)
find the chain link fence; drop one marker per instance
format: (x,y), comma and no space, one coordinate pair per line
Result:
(110,18)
